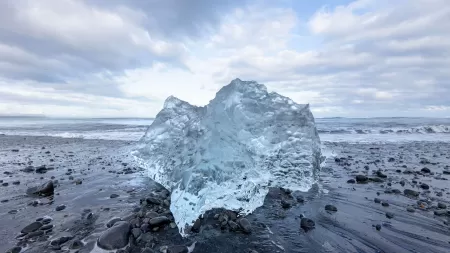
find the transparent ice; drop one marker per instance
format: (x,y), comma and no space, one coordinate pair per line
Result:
(228,153)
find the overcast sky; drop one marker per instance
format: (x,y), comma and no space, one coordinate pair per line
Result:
(111,58)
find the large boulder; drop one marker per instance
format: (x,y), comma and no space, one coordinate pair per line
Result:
(115,237)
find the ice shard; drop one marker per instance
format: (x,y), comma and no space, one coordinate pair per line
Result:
(228,153)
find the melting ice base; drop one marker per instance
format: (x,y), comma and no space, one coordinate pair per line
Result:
(228,153)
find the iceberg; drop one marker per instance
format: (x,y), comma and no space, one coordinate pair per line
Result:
(228,153)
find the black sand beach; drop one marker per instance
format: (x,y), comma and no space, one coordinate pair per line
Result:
(398,204)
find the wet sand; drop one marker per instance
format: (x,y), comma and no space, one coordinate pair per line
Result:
(106,167)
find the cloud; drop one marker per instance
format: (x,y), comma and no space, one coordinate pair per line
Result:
(365,58)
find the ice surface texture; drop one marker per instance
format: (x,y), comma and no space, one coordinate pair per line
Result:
(228,153)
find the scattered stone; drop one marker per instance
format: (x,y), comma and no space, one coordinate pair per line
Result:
(76,244)
(307,224)
(32,227)
(361,179)
(46,189)
(177,249)
(331,208)
(158,221)
(41,169)
(378,227)
(380,174)
(442,205)
(196,227)
(410,209)
(113,196)
(16,182)
(115,237)
(425,170)
(424,186)
(377,200)
(61,240)
(300,198)
(136,232)
(409,192)
(14,250)
(285,204)
(78,182)
(112,221)
(389,215)
(60,208)
(46,227)
(14,211)
(351,181)
(385,204)
(440,212)
(5,184)
(245,225)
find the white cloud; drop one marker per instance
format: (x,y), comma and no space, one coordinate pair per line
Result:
(363,58)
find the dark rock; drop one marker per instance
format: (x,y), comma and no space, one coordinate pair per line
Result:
(35,234)
(331,208)
(77,244)
(60,208)
(425,170)
(377,200)
(361,179)
(177,249)
(46,189)
(411,193)
(136,232)
(410,209)
(380,174)
(440,212)
(376,180)
(378,227)
(61,240)
(233,225)
(245,225)
(32,227)
(112,221)
(41,169)
(424,186)
(351,181)
(5,184)
(446,172)
(46,220)
(385,204)
(159,221)
(146,238)
(389,215)
(14,211)
(113,196)
(442,205)
(307,224)
(196,227)
(153,201)
(300,198)
(16,182)
(145,228)
(391,159)
(46,227)
(115,237)
(14,250)
(78,182)
(285,204)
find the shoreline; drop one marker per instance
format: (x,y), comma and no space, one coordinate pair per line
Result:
(275,227)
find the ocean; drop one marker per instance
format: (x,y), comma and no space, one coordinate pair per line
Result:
(353,130)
